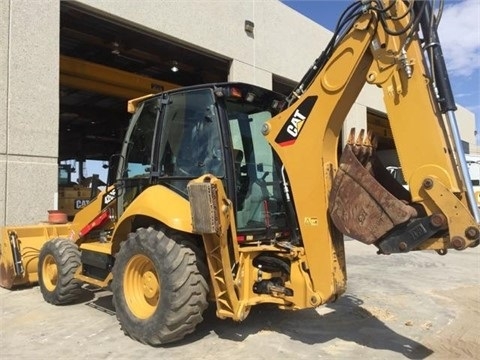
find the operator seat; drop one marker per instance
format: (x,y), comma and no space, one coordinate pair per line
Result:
(251,197)
(241,181)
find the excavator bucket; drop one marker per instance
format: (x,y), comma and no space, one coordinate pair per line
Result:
(20,247)
(359,205)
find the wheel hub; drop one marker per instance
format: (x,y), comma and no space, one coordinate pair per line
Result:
(141,286)
(150,285)
(50,273)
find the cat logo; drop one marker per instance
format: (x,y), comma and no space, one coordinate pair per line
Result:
(295,123)
(109,197)
(80,203)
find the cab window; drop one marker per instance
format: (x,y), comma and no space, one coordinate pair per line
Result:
(190,143)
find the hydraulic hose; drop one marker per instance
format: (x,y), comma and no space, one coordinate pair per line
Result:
(445,96)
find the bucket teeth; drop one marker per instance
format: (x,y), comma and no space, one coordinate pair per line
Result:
(373,140)
(362,146)
(368,139)
(359,141)
(360,202)
(351,137)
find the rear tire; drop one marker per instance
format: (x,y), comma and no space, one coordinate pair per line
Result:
(58,261)
(158,292)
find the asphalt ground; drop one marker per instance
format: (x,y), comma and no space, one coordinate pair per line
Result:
(417,305)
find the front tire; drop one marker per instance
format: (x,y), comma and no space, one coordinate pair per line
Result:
(58,261)
(158,292)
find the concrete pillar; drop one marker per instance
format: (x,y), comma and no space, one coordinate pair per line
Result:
(29,109)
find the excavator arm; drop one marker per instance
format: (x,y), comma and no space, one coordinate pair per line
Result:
(385,46)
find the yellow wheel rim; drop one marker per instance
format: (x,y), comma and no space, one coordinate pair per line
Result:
(49,273)
(141,286)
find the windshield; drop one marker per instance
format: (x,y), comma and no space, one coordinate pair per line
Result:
(190,141)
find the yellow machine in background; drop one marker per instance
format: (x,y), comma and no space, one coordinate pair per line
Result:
(236,194)
(73,196)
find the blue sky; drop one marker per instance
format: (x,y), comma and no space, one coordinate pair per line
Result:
(459,34)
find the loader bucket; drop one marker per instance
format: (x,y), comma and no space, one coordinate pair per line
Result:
(360,207)
(20,247)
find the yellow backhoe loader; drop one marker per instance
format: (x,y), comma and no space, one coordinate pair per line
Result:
(73,196)
(232,193)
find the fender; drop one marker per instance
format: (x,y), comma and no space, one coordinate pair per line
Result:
(156,202)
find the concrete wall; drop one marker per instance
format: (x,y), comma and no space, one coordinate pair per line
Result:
(29,68)
(4,35)
(466,125)
(240,71)
(218,27)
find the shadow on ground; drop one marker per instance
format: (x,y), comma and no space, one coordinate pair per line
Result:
(347,321)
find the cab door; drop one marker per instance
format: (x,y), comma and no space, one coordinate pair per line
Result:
(137,160)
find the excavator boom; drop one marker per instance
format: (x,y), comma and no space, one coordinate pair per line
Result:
(381,47)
